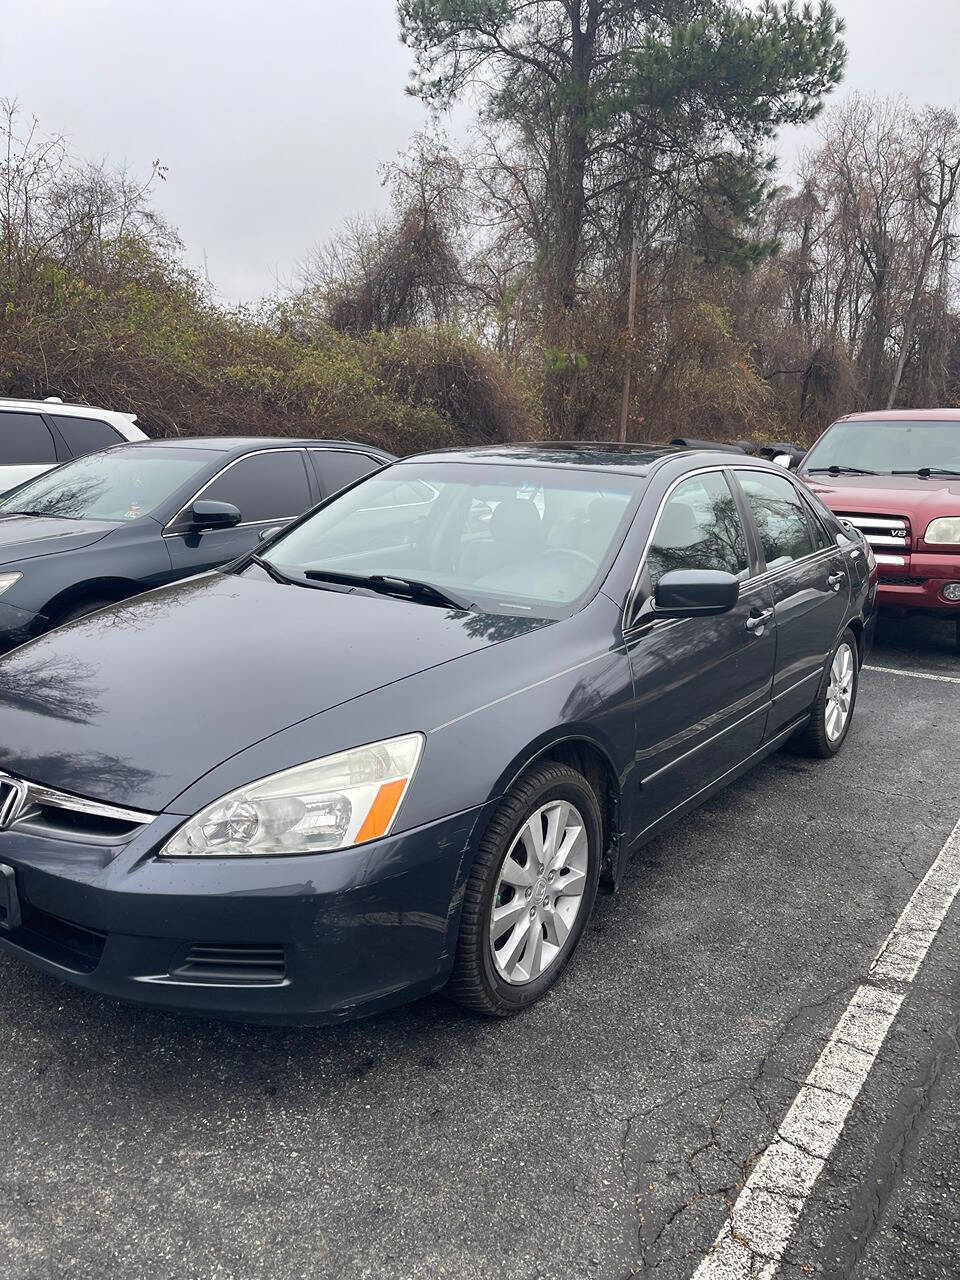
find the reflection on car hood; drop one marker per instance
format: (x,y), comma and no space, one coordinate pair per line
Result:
(24,536)
(135,703)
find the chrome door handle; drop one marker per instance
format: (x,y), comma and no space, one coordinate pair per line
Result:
(835,581)
(757,621)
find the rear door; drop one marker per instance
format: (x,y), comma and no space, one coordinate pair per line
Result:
(26,447)
(701,685)
(809,582)
(336,468)
(84,435)
(268,488)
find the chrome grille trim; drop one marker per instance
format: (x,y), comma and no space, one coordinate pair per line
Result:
(33,794)
(880,531)
(876,522)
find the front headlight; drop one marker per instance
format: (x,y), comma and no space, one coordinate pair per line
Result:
(7,580)
(945,531)
(333,803)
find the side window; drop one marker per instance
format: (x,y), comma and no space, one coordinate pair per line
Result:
(84,435)
(821,536)
(780,516)
(25,439)
(337,470)
(266,486)
(699,528)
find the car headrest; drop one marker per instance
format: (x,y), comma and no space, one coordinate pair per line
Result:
(517,521)
(678,526)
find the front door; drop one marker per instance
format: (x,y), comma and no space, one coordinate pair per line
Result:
(810,584)
(268,488)
(701,685)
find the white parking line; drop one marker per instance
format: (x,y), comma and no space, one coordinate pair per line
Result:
(917,675)
(755,1236)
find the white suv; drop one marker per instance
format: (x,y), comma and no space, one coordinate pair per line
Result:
(36,435)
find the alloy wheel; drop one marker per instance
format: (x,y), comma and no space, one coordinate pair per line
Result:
(539,893)
(839,693)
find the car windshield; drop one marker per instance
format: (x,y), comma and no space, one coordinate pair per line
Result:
(886,448)
(500,537)
(117,484)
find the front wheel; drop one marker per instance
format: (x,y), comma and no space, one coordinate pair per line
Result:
(832,712)
(530,892)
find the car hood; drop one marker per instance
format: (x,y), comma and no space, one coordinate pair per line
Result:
(135,703)
(22,537)
(921,500)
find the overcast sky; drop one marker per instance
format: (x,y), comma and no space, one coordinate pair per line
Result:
(274,115)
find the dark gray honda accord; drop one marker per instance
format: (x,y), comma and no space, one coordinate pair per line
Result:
(398,747)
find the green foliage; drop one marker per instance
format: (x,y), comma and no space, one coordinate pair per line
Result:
(154,344)
(623,117)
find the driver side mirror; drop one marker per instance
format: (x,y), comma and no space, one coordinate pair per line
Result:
(695,593)
(207,514)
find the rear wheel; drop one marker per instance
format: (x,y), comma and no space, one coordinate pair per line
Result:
(530,892)
(832,712)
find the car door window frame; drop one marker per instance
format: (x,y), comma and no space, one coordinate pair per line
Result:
(60,451)
(818,552)
(631,620)
(65,452)
(169,529)
(316,468)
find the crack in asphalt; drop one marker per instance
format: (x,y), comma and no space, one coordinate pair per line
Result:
(900,1135)
(749,1086)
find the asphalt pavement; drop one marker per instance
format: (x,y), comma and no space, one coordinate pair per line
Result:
(605,1134)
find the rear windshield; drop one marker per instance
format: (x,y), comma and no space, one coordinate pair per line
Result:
(116,484)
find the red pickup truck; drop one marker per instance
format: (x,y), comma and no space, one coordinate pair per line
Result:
(896,477)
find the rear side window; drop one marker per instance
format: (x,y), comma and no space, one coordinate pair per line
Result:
(25,439)
(84,435)
(699,528)
(337,470)
(780,516)
(265,486)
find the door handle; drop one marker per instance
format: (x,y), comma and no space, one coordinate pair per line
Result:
(757,621)
(835,581)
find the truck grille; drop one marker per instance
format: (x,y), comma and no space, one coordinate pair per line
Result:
(884,533)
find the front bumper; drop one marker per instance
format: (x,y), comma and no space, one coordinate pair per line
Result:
(298,940)
(916,585)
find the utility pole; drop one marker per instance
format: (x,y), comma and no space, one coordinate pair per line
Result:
(628,369)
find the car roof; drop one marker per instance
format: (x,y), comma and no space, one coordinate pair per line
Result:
(585,455)
(243,444)
(53,405)
(904,415)
(125,424)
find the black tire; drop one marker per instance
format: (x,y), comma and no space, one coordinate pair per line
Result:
(81,610)
(813,739)
(475,981)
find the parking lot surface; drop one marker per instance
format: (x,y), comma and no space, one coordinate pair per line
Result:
(605,1133)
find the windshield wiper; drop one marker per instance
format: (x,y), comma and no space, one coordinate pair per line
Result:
(389,585)
(840,471)
(24,513)
(925,472)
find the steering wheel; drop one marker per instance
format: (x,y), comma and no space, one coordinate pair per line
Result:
(570,551)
